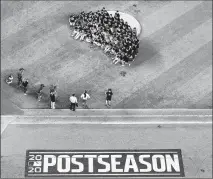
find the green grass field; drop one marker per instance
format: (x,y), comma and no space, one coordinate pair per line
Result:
(173,68)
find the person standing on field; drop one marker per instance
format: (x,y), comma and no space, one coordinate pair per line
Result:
(85,96)
(40,92)
(108,97)
(52,100)
(74,102)
(55,90)
(20,76)
(25,84)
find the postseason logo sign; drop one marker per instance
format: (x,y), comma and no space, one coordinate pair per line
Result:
(104,163)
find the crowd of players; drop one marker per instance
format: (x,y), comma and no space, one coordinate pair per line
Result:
(114,36)
(23,84)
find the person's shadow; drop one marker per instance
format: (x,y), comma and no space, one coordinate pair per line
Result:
(147,50)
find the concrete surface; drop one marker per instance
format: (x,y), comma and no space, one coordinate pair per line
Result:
(195,141)
(117,112)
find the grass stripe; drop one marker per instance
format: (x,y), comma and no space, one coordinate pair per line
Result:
(166,15)
(26,17)
(108,73)
(169,56)
(159,92)
(33,52)
(196,88)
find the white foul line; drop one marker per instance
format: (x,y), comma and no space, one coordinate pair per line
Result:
(103,116)
(112,122)
(50,122)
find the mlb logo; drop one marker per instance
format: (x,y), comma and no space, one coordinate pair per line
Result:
(34,164)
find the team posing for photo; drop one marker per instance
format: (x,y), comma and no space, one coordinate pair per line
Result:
(114,36)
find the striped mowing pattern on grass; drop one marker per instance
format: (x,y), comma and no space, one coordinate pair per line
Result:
(171,32)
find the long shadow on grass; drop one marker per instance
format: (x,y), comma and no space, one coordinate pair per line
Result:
(13,88)
(147,51)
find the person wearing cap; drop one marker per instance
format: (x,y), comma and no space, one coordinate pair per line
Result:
(108,97)
(74,102)
(103,10)
(117,16)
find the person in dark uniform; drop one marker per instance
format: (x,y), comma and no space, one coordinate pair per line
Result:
(25,84)
(52,100)
(72,20)
(40,92)
(20,76)
(108,97)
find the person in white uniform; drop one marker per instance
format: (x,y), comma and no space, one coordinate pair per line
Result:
(85,96)
(74,102)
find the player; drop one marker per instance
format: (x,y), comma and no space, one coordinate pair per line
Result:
(117,16)
(72,20)
(9,80)
(108,97)
(40,92)
(75,32)
(25,84)
(113,51)
(116,59)
(97,42)
(79,34)
(52,100)
(74,102)
(20,76)
(88,38)
(83,35)
(85,96)
(107,48)
(53,89)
